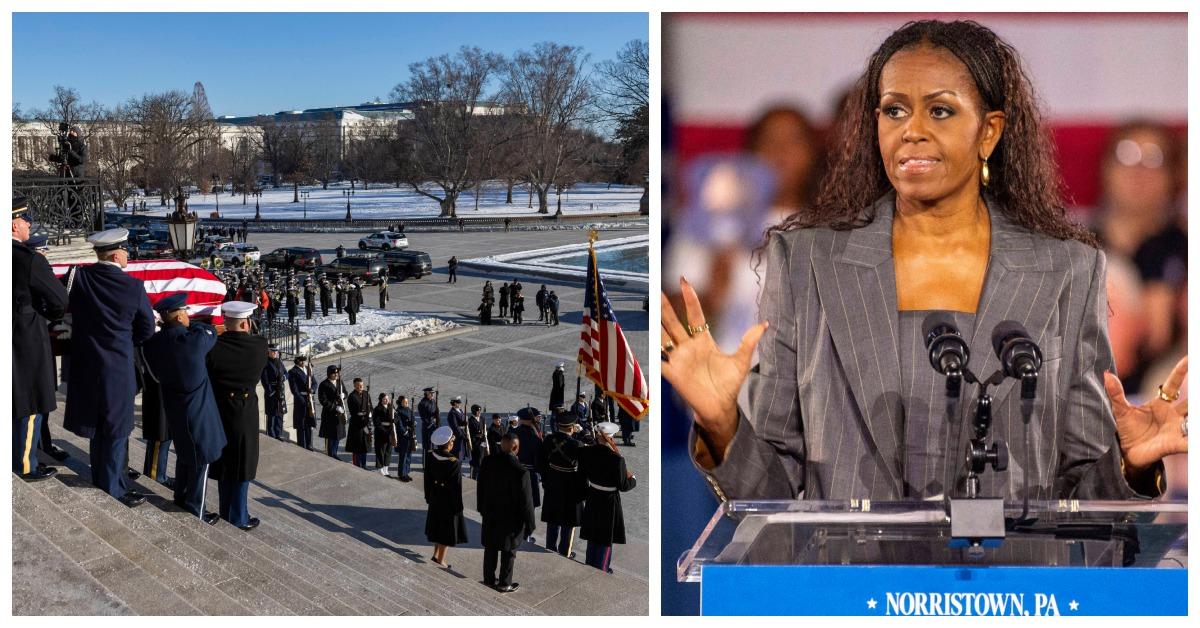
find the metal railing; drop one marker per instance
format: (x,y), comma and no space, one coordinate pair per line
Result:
(282,333)
(379,224)
(62,208)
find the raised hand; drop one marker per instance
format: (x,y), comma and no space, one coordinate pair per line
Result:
(1151,431)
(706,378)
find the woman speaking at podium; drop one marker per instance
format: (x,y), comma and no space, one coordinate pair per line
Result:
(943,198)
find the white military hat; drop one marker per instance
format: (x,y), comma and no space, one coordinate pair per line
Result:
(237,309)
(514,419)
(441,436)
(608,427)
(109,239)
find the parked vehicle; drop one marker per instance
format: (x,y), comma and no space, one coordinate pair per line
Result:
(154,249)
(407,264)
(367,268)
(211,243)
(235,253)
(298,257)
(384,240)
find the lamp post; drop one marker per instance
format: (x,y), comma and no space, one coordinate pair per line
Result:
(216,197)
(257,195)
(348,194)
(304,194)
(181,228)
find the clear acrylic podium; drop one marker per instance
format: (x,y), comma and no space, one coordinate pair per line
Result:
(799,557)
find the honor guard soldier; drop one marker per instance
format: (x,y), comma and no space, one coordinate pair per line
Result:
(331,394)
(457,420)
(304,389)
(358,433)
(476,433)
(155,430)
(505,504)
(38,299)
(628,424)
(607,477)
(427,409)
(310,299)
(290,300)
(558,386)
(175,358)
(235,365)
(339,289)
(275,385)
(111,314)
(354,300)
(562,506)
(383,420)
(445,525)
(531,442)
(406,435)
(326,295)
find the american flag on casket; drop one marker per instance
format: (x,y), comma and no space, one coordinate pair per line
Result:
(163,278)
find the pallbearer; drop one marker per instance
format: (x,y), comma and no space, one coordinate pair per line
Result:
(607,477)
(304,390)
(175,358)
(234,365)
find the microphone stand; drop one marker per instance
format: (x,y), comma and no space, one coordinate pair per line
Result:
(976,522)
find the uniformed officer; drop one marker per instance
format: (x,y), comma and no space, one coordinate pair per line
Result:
(558,464)
(457,420)
(111,314)
(358,432)
(175,358)
(607,477)
(38,299)
(476,432)
(531,442)
(558,386)
(310,299)
(505,504)
(406,434)
(331,394)
(339,290)
(275,385)
(326,295)
(582,411)
(445,525)
(303,384)
(628,424)
(155,429)
(495,432)
(427,409)
(290,300)
(354,300)
(383,420)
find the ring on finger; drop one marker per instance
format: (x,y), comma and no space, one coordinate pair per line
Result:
(1183,426)
(693,330)
(1169,399)
(669,347)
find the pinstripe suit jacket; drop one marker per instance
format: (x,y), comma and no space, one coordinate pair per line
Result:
(826,419)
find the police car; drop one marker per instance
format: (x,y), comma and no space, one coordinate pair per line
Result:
(235,253)
(384,240)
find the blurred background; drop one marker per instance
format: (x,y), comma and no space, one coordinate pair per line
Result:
(747,103)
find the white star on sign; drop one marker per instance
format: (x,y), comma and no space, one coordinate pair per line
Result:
(871,603)
(1074,605)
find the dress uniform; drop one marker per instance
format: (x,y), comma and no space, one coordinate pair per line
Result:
(175,358)
(354,301)
(331,395)
(38,298)
(358,434)
(505,504)
(290,301)
(628,424)
(310,300)
(558,388)
(154,422)
(111,314)
(558,464)
(339,290)
(275,385)
(457,420)
(607,477)
(445,525)
(383,420)
(326,296)
(427,409)
(304,388)
(406,434)
(479,444)
(531,442)
(495,432)
(582,411)
(235,365)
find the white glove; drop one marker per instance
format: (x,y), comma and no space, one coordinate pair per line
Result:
(341,410)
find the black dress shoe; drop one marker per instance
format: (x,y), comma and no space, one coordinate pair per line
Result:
(211,518)
(133,474)
(407,478)
(253,523)
(58,453)
(508,589)
(41,473)
(132,498)
(169,483)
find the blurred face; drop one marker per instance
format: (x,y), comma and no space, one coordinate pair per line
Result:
(784,145)
(1136,174)
(334,376)
(179,316)
(358,386)
(933,134)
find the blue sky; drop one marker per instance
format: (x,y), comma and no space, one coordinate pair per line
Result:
(254,63)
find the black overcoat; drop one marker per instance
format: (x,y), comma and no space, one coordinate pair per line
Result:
(505,502)
(564,484)
(331,396)
(176,358)
(38,298)
(603,520)
(558,389)
(359,407)
(303,384)
(274,381)
(444,522)
(234,366)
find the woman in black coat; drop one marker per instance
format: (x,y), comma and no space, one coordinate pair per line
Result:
(445,525)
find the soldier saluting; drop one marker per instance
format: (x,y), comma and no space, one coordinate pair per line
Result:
(234,366)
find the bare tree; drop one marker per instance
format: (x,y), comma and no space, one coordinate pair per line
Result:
(550,89)
(243,160)
(440,142)
(625,87)
(116,154)
(325,149)
(171,136)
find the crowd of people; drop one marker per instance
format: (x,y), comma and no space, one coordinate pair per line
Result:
(512,304)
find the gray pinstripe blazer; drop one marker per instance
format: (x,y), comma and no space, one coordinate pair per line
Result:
(825,416)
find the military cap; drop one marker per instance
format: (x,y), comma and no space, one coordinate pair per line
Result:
(564,419)
(456,399)
(476,407)
(559,367)
(109,239)
(609,428)
(37,241)
(237,309)
(332,368)
(581,396)
(441,435)
(272,347)
(427,389)
(169,304)
(300,358)
(528,414)
(512,420)
(20,206)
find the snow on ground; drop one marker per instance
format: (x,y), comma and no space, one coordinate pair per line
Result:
(545,263)
(332,334)
(388,202)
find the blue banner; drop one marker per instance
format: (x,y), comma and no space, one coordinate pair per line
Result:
(893,591)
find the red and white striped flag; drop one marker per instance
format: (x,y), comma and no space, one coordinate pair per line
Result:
(604,354)
(163,278)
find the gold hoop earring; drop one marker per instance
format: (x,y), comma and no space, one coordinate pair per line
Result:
(984,174)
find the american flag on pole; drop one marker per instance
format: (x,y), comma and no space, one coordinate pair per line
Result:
(604,355)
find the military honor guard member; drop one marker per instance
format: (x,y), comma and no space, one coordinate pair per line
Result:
(558,464)
(326,295)
(558,388)
(383,420)
(477,436)
(582,411)
(607,477)
(234,366)
(310,298)
(406,435)
(304,390)
(340,288)
(457,420)
(505,503)
(111,314)
(38,299)
(495,432)
(154,422)
(331,394)
(427,409)
(274,381)
(176,360)
(354,300)
(531,442)
(358,434)
(445,525)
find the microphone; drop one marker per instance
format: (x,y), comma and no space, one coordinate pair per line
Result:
(948,352)
(1020,357)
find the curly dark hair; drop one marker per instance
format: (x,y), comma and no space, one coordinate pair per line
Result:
(1023,171)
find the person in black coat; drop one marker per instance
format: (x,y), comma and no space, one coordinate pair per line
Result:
(310,300)
(539,299)
(354,301)
(154,423)
(38,299)
(304,386)
(552,309)
(383,421)
(505,504)
(445,525)
(383,295)
(275,385)
(427,409)
(452,266)
(331,394)
(628,424)
(531,442)
(495,432)
(406,436)
(457,420)
(326,296)
(110,315)
(503,299)
(518,308)
(562,505)
(176,360)
(339,288)
(234,366)
(558,387)
(476,434)
(358,432)
(607,477)
(290,300)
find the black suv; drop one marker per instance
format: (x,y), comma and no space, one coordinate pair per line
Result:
(367,268)
(300,258)
(407,264)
